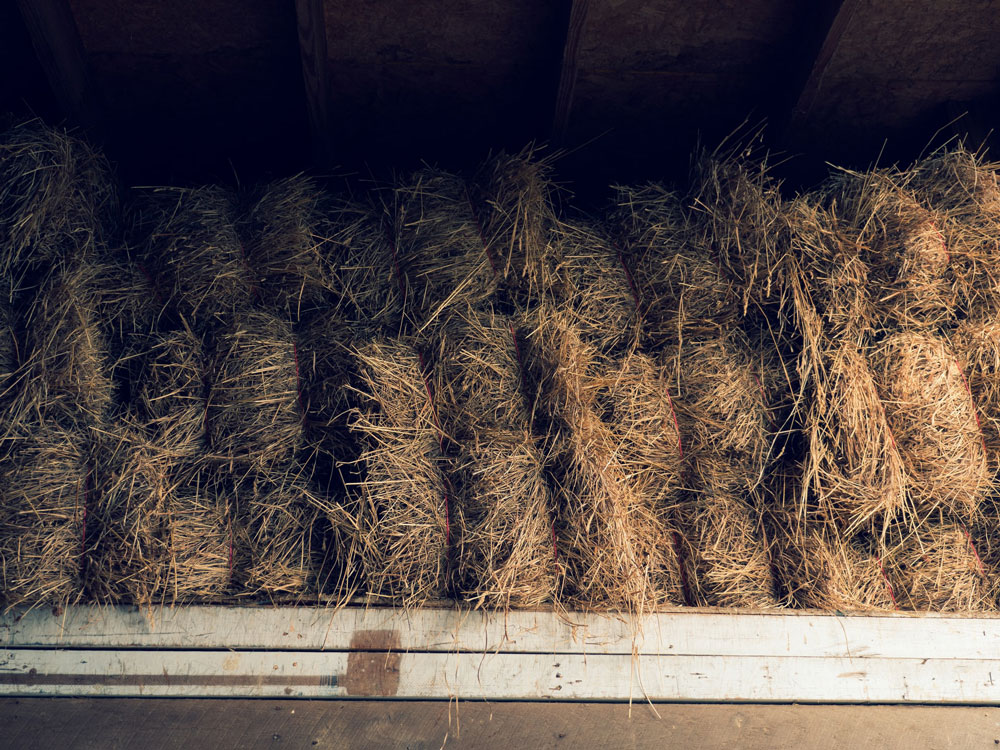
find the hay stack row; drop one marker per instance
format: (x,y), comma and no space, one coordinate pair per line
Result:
(452,388)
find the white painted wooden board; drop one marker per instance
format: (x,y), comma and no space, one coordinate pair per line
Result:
(689,632)
(503,676)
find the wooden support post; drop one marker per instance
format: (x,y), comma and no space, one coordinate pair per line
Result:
(817,53)
(568,68)
(312,48)
(56,40)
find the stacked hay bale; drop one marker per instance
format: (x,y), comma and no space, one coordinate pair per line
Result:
(612,430)
(56,210)
(897,456)
(726,421)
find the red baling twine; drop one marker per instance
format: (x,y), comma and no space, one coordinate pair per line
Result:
(947,253)
(888,585)
(972,546)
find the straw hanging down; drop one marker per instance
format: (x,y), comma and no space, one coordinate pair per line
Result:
(254,415)
(612,532)
(507,557)
(286,245)
(44,494)
(56,197)
(406,522)
(66,375)
(195,254)
(934,423)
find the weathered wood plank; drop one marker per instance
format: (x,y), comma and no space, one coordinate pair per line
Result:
(312,49)
(498,676)
(448,630)
(57,43)
(180,724)
(568,67)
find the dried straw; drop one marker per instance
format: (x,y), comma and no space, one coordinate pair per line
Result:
(515,202)
(933,420)
(195,252)
(507,556)
(611,531)
(254,416)
(406,520)
(67,373)
(169,390)
(275,541)
(684,290)
(56,197)
(287,247)
(732,564)
(44,496)
(936,568)
(439,250)
(977,350)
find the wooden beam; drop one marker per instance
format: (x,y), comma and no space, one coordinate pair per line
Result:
(818,49)
(56,40)
(577,19)
(312,49)
(690,632)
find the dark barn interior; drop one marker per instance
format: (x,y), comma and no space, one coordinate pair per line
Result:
(188,92)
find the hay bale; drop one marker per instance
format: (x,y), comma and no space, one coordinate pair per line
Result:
(902,244)
(516,199)
(683,289)
(831,570)
(933,419)
(254,415)
(195,252)
(597,287)
(67,371)
(977,350)
(737,209)
(854,464)
(406,520)
(731,559)
(275,538)
(131,553)
(725,421)
(442,256)
(367,271)
(611,531)
(57,196)
(201,535)
(936,568)
(169,390)
(506,556)
(130,304)
(286,245)
(45,489)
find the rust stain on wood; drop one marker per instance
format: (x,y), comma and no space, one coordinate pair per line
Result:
(373,664)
